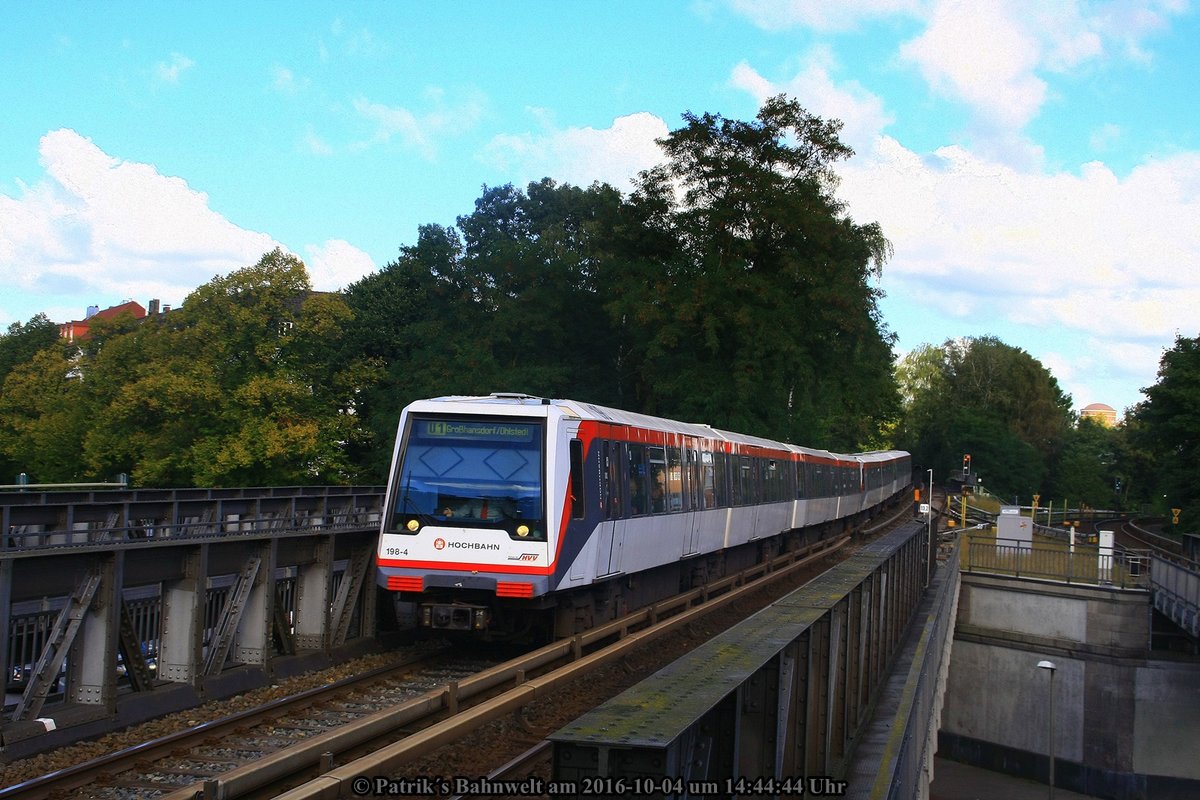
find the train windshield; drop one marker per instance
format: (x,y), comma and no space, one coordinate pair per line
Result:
(468,472)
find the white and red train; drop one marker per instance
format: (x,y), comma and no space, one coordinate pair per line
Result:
(512,515)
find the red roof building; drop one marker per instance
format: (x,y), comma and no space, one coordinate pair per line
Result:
(78,330)
(1105,415)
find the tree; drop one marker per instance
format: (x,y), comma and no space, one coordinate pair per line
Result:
(42,419)
(1091,468)
(242,386)
(1168,426)
(19,344)
(512,298)
(989,399)
(753,305)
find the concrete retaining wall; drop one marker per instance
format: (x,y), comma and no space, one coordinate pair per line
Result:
(1126,725)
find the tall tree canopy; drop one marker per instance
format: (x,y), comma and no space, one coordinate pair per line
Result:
(1167,425)
(18,347)
(753,306)
(989,399)
(511,299)
(242,386)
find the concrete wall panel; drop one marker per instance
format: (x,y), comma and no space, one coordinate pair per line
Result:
(1167,720)
(1027,613)
(997,694)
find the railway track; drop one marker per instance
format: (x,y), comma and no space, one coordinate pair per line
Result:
(393,720)
(205,751)
(1136,537)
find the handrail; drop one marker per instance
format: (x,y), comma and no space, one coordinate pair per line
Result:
(16,540)
(1085,564)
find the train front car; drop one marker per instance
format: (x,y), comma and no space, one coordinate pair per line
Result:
(468,539)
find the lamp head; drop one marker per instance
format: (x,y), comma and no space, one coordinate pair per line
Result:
(1047,665)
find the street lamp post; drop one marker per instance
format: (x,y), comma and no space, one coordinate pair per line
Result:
(1049,665)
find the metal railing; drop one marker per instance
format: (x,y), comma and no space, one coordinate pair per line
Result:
(1176,586)
(1053,561)
(21,537)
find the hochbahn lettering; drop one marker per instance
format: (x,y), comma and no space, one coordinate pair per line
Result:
(441,544)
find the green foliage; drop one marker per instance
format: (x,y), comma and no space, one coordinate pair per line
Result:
(247,384)
(751,308)
(1167,427)
(41,424)
(18,346)
(988,399)
(1092,467)
(20,342)
(510,299)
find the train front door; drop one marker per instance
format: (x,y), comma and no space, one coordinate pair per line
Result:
(610,535)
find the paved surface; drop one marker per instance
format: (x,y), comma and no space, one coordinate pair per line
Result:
(955,781)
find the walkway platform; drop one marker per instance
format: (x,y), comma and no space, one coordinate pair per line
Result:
(955,781)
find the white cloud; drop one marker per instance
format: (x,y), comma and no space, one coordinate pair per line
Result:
(838,16)
(862,112)
(311,143)
(581,156)
(171,72)
(285,81)
(109,230)
(1085,253)
(982,54)
(992,56)
(336,264)
(419,131)
(1102,138)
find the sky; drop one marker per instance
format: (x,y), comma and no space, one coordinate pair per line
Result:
(1036,166)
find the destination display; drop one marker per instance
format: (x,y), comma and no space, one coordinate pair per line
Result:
(477,430)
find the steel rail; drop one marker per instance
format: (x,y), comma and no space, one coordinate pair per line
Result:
(83,774)
(516,767)
(308,754)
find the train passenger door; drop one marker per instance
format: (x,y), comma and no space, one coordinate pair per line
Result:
(611,531)
(747,477)
(693,502)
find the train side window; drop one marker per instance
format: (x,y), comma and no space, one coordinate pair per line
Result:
(720,481)
(658,480)
(708,479)
(674,480)
(745,482)
(692,471)
(735,481)
(578,505)
(637,479)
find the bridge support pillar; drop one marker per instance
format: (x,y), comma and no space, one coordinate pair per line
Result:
(92,663)
(181,646)
(313,586)
(6,581)
(252,643)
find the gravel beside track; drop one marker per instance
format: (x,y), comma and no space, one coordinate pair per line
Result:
(62,758)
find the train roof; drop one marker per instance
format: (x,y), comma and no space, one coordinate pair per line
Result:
(598,413)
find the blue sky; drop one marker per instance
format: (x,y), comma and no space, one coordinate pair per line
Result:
(1036,166)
